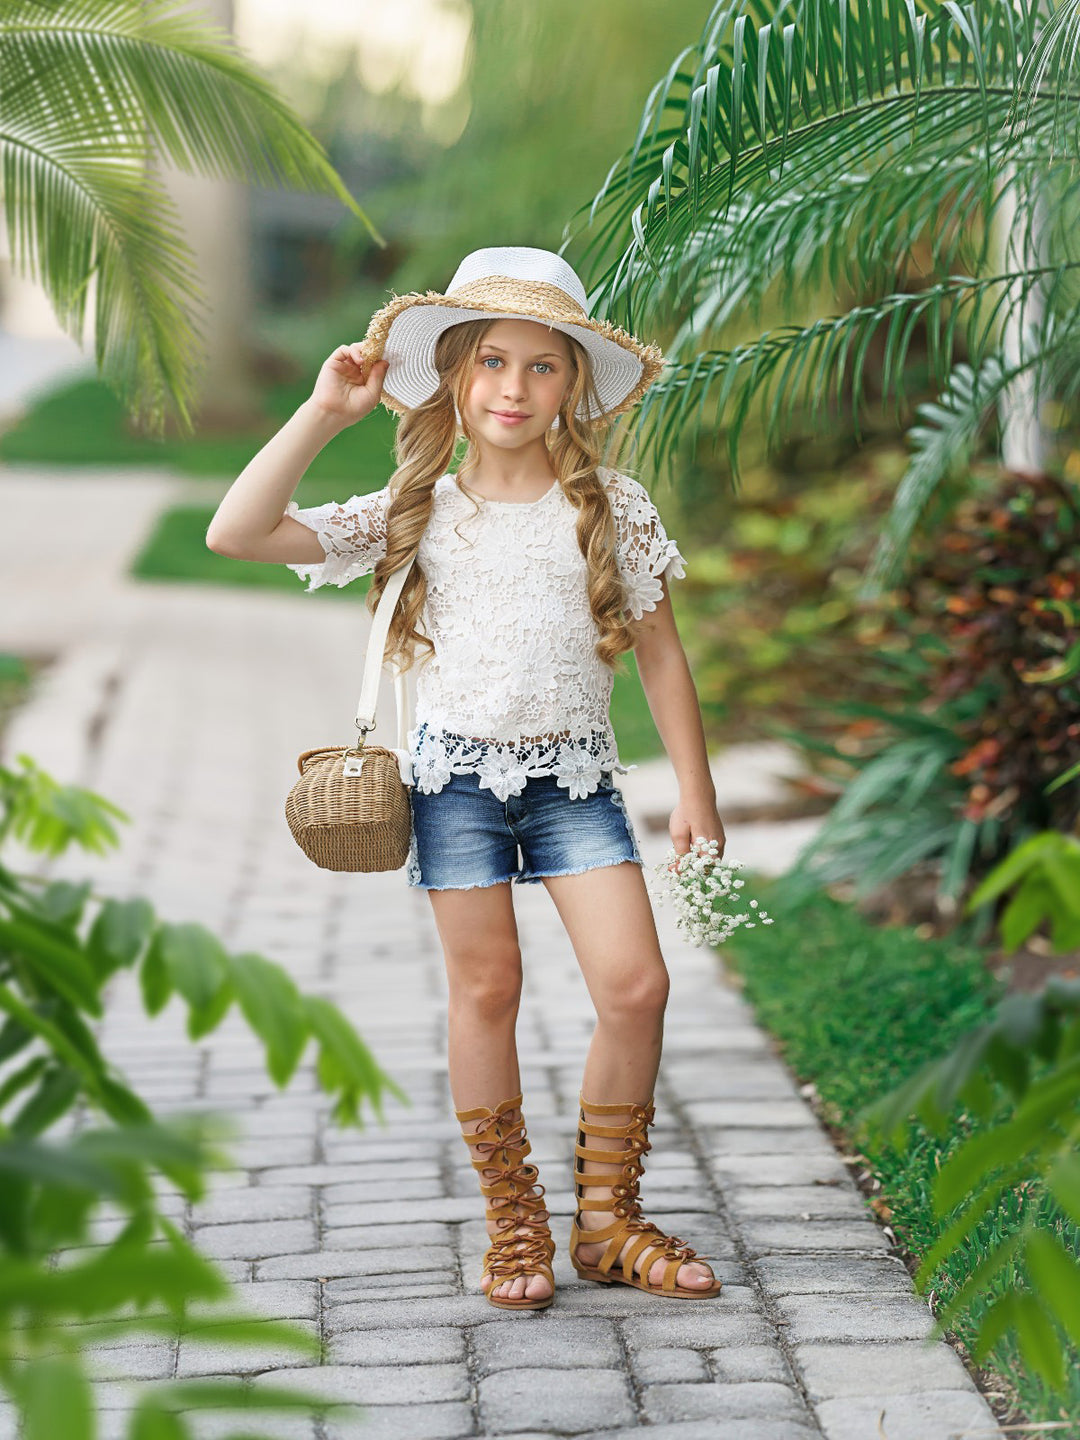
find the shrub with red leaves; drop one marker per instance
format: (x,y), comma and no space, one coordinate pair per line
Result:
(1001,587)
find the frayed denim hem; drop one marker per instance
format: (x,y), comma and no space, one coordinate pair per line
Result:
(536,876)
(477,885)
(617,799)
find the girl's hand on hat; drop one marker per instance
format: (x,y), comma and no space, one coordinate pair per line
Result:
(349,385)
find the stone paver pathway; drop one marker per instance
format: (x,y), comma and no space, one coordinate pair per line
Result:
(187,706)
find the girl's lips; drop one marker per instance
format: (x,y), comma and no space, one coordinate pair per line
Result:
(509,419)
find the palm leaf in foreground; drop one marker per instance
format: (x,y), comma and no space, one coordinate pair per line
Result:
(89,92)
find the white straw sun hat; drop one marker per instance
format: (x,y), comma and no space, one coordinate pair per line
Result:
(506,282)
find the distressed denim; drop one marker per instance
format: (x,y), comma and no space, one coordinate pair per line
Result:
(464,837)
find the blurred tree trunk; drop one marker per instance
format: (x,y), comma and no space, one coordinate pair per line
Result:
(215,221)
(1023,437)
(1024,444)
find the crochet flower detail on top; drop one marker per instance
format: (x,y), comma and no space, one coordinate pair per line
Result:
(514,688)
(644,591)
(432,760)
(504,772)
(504,767)
(578,771)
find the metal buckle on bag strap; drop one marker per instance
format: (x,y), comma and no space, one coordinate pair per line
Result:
(354,756)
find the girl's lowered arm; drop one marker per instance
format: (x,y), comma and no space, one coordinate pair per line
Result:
(673,702)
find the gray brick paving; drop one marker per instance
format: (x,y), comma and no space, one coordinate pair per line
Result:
(905,1417)
(653,1367)
(255,1241)
(831,1371)
(187,706)
(750,1400)
(718,1428)
(583,1399)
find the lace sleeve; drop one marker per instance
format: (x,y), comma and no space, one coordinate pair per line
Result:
(645,554)
(352,533)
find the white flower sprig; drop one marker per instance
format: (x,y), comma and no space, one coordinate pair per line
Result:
(703,892)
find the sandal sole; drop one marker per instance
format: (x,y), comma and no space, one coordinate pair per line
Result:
(677,1294)
(521,1304)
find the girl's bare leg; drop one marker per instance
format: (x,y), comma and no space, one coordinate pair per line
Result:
(608,916)
(479,937)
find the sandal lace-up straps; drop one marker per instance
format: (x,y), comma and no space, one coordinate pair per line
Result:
(622,1175)
(523,1244)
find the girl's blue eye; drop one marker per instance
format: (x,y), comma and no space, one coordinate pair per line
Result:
(496,359)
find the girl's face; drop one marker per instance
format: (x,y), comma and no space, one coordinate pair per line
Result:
(523,367)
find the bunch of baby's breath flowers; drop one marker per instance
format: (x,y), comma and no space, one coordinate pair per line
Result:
(703,892)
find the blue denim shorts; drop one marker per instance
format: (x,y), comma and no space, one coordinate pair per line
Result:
(464,837)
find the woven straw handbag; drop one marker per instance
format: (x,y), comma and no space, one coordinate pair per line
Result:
(350,809)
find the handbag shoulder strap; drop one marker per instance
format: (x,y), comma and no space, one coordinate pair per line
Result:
(375,655)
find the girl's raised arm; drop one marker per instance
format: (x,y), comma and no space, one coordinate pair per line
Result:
(250,522)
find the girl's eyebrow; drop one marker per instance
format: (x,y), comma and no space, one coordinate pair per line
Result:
(544,354)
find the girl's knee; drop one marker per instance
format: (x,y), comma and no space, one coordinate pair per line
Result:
(486,982)
(640,997)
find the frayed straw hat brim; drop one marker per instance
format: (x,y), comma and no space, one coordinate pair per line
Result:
(404,331)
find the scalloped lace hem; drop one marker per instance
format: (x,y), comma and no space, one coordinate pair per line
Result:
(505,767)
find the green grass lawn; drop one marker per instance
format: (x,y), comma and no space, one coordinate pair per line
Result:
(856,1009)
(16,680)
(176,549)
(82,423)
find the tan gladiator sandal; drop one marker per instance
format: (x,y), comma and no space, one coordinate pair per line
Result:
(524,1244)
(626,1207)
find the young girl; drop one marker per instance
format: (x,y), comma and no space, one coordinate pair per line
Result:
(536,567)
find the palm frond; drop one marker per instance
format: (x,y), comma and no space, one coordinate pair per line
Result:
(1049,56)
(822,143)
(945,438)
(806,363)
(853,234)
(90,90)
(824,166)
(818,63)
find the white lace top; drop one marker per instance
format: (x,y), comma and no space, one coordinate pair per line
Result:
(515,688)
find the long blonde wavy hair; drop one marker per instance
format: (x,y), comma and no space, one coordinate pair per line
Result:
(424,447)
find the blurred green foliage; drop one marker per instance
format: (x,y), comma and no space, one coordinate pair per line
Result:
(859,1009)
(15,682)
(80,1148)
(1029,1052)
(772,622)
(82,423)
(553,92)
(978,748)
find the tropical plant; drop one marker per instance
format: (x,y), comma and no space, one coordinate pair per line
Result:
(90,92)
(1044,875)
(60,945)
(982,751)
(1028,1053)
(859,144)
(793,143)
